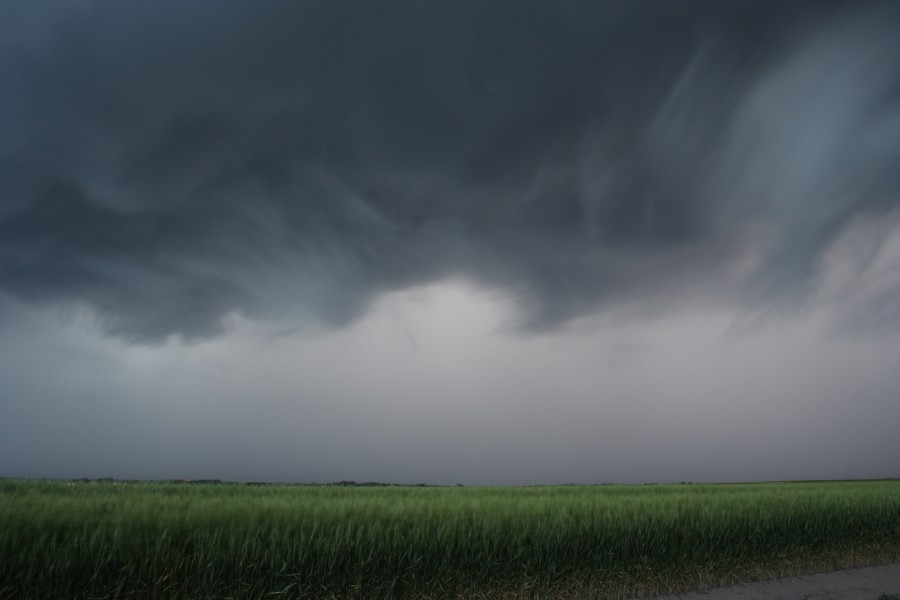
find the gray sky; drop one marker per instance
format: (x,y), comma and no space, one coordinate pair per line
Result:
(468,242)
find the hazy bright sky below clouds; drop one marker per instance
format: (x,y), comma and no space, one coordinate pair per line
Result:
(450,242)
(431,387)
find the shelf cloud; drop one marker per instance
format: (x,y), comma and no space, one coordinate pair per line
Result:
(173,163)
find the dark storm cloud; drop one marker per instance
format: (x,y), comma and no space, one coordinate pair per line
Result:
(169,163)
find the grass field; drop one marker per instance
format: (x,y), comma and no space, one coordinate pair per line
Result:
(178,540)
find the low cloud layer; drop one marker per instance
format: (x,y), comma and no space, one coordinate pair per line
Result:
(169,164)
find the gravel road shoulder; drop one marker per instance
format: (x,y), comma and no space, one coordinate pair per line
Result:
(867,583)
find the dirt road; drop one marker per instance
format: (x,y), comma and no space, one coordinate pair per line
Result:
(868,583)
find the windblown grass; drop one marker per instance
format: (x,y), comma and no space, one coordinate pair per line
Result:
(168,540)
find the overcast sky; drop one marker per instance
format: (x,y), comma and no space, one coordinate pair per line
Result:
(450,242)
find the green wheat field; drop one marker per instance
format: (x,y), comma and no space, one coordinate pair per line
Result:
(106,539)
